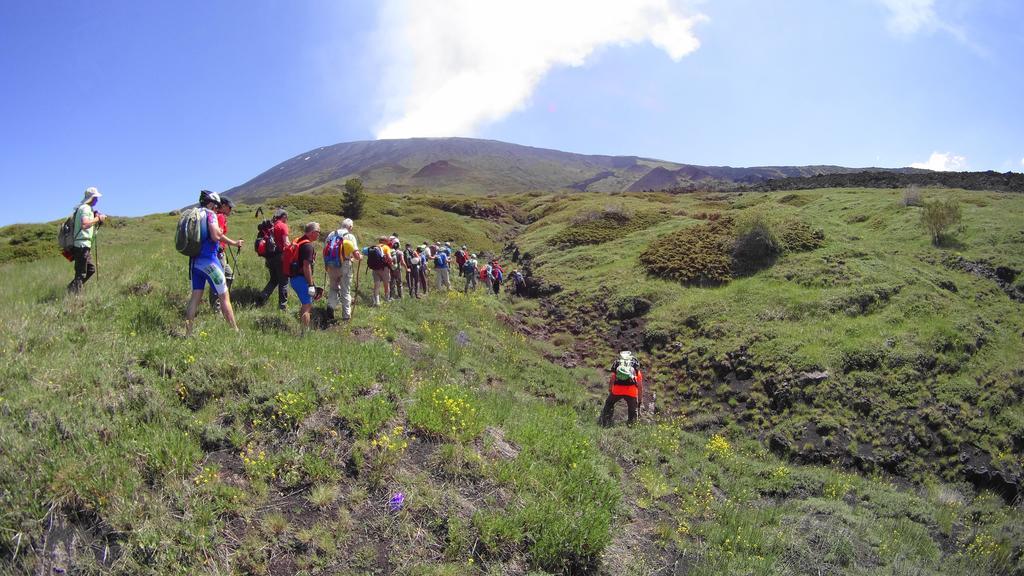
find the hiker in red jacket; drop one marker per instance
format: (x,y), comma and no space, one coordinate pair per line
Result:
(626,383)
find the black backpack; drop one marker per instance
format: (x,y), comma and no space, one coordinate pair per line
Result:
(375,258)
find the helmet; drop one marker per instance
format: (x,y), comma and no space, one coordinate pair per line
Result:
(205,197)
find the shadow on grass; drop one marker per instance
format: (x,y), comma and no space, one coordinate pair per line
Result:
(948,241)
(246,297)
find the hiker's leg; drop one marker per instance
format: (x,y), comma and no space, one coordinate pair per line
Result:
(193,307)
(345,289)
(376,288)
(386,277)
(631,406)
(608,410)
(80,267)
(227,310)
(305,312)
(333,287)
(90,268)
(271,282)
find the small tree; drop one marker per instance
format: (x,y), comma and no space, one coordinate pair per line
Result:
(940,216)
(354,198)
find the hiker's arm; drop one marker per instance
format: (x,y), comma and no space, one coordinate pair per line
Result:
(307,271)
(217,236)
(88,222)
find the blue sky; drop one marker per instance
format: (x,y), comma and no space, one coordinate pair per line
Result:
(152,101)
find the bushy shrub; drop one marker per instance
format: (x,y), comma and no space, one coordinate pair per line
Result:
(756,245)
(699,255)
(911,196)
(712,253)
(598,227)
(799,236)
(939,216)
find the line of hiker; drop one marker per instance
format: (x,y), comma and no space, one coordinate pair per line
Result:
(201,234)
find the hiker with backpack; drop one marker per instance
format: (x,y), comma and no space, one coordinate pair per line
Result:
(223,211)
(341,257)
(76,237)
(518,283)
(278,280)
(411,272)
(397,263)
(199,236)
(626,383)
(441,266)
(461,256)
(378,259)
(496,277)
(297,261)
(422,271)
(485,276)
(469,271)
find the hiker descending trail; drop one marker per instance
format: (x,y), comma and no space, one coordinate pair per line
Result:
(198,236)
(77,235)
(626,383)
(469,271)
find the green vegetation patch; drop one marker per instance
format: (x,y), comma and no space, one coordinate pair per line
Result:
(600,226)
(698,255)
(27,242)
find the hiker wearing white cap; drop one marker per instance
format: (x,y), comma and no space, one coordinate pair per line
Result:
(469,271)
(205,268)
(86,220)
(341,258)
(626,383)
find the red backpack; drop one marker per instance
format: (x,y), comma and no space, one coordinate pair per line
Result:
(290,257)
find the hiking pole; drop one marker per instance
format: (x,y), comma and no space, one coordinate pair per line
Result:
(96,251)
(234,259)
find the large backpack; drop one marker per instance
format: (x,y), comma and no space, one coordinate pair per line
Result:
(333,249)
(625,373)
(484,272)
(265,244)
(396,259)
(461,257)
(496,274)
(66,234)
(375,258)
(469,267)
(290,257)
(188,236)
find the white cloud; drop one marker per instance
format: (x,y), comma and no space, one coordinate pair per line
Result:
(1022,161)
(907,17)
(452,66)
(943,162)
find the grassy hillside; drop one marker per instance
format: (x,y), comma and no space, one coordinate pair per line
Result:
(126,448)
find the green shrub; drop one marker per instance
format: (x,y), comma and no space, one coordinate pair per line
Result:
(799,236)
(698,255)
(603,226)
(756,245)
(939,216)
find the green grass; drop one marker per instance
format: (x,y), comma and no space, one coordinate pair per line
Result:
(268,451)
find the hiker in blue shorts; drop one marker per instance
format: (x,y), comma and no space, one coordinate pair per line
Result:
(206,268)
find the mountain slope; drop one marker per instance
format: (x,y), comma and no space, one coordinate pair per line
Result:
(126,448)
(487,166)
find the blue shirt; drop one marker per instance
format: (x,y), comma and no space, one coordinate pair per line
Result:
(441,261)
(209,247)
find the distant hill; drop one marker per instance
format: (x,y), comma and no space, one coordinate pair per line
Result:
(489,166)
